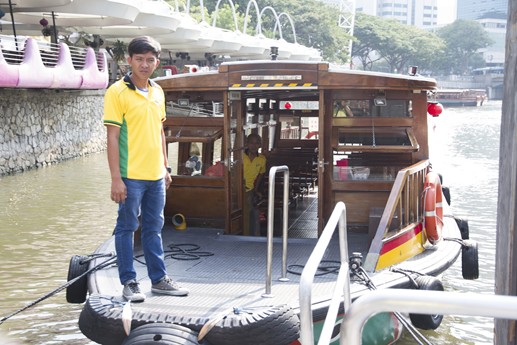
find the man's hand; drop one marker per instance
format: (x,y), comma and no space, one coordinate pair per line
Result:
(168,180)
(118,190)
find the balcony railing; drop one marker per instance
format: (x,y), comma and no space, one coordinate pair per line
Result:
(29,63)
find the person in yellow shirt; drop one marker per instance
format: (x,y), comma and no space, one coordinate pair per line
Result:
(342,109)
(254,170)
(134,111)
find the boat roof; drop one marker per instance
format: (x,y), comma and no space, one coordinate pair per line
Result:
(294,74)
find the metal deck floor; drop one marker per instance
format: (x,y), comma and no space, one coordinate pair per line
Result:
(225,271)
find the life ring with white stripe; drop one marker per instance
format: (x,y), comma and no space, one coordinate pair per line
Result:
(433,215)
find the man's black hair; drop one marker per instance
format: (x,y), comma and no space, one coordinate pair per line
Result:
(144,44)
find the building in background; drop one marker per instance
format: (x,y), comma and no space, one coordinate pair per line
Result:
(494,55)
(477,9)
(492,15)
(420,13)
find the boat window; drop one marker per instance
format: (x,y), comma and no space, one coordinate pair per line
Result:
(195,151)
(172,157)
(375,139)
(376,107)
(343,172)
(298,127)
(185,108)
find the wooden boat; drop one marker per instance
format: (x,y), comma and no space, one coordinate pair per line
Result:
(365,171)
(461,97)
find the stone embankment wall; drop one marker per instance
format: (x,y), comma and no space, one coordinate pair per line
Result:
(42,127)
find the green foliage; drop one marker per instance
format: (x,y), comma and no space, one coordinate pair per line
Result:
(118,50)
(378,42)
(368,30)
(463,39)
(399,45)
(316,25)
(315,22)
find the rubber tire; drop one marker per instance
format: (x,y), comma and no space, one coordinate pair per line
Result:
(447,194)
(161,333)
(469,260)
(277,325)
(463,225)
(76,293)
(99,321)
(426,321)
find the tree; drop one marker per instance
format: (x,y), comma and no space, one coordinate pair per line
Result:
(367,31)
(316,26)
(315,22)
(463,38)
(399,45)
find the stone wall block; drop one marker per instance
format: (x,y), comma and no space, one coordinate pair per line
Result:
(42,127)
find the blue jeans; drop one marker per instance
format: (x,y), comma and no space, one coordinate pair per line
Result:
(147,199)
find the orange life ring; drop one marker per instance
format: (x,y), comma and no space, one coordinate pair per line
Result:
(433,215)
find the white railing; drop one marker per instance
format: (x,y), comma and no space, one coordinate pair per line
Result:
(270,223)
(422,302)
(341,289)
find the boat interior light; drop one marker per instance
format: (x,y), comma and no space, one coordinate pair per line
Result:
(380,100)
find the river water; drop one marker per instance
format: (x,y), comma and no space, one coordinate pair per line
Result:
(49,214)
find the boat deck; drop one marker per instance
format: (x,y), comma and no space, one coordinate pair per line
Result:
(226,271)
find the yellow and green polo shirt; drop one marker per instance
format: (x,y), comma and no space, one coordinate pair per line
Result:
(252,168)
(140,121)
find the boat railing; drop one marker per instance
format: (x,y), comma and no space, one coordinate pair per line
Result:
(422,302)
(341,288)
(404,203)
(270,221)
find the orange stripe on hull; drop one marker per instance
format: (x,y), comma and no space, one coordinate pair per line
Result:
(401,248)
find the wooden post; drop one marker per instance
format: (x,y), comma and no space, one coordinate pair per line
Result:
(506,254)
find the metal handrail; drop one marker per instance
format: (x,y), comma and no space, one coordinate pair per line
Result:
(270,219)
(341,289)
(404,195)
(422,302)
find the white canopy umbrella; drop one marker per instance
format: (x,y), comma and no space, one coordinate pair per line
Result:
(224,40)
(255,47)
(38,3)
(154,18)
(79,13)
(188,31)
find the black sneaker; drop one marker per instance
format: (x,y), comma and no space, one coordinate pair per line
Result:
(132,292)
(167,287)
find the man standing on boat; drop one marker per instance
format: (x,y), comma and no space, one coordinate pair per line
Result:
(254,169)
(134,111)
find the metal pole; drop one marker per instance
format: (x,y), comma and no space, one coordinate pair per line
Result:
(423,302)
(270,224)
(12,22)
(54,26)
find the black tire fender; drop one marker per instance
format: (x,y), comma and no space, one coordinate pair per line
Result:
(463,225)
(447,194)
(426,321)
(469,260)
(161,333)
(77,291)
(277,325)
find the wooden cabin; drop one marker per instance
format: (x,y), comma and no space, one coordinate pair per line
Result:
(344,135)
